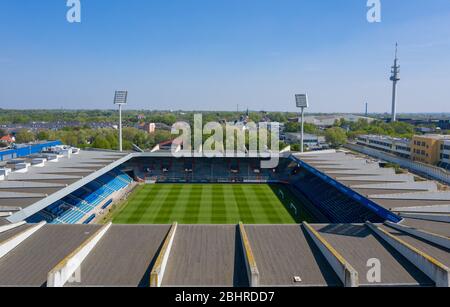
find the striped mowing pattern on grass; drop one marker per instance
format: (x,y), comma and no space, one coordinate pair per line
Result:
(211,204)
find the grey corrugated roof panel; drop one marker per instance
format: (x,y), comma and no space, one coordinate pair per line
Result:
(349,167)
(421,185)
(369,172)
(367,192)
(63,170)
(29,263)
(433,209)
(439,253)
(88,166)
(7,184)
(206,255)
(350,163)
(283,252)
(14,204)
(124,256)
(37,177)
(321,155)
(357,244)
(336,160)
(440,228)
(12,232)
(13,195)
(381,178)
(425,205)
(439,196)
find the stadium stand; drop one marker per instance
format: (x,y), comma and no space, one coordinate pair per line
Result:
(75,206)
(336,206)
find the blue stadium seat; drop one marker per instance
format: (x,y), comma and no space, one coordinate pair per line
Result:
(75,206)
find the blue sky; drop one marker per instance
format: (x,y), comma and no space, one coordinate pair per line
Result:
(216,54)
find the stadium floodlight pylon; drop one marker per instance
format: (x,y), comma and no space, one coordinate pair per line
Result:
(302,103)
(120,99)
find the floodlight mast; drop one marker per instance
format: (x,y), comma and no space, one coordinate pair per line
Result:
(120,129)
(120,99)
(302,103)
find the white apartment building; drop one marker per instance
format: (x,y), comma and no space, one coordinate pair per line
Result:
(397,146)
(444,156)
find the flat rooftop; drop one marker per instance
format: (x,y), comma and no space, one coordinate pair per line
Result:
(357,244)
(124,257)
(29,263)
(208,256)
(284,252)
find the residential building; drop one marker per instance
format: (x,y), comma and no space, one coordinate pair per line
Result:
(8,139)
(444,154)
(148,127)
(425,148)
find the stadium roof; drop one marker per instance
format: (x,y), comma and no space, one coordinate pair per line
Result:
(213,255)
(27,193)
(396,192)
(217,255)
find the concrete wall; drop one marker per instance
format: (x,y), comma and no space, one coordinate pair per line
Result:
(250,262)
(66,268)
(346,273)
(159,268)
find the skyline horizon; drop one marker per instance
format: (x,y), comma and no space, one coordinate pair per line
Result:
(125,110)
(200,55)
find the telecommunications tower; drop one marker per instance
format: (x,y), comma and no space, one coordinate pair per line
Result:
(395,77)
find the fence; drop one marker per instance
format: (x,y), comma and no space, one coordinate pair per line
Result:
(425,170)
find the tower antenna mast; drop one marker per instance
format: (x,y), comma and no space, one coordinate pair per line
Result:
(395,77)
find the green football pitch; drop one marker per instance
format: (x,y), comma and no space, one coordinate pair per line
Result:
(211,204)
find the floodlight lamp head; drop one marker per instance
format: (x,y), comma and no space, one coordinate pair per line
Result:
(302,100)
(120,97)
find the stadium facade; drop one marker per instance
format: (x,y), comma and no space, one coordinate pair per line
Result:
(51,206)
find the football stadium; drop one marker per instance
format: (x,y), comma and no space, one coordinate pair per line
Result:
(90,218)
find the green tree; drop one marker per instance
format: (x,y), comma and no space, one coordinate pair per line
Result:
(43,135)
(100,142)
(24,136)
(336,137)
(296,127)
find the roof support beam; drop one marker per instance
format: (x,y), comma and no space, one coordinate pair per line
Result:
(63,271)
(12,243)
(431,267)
(427,236)
(346,273)
(445,218)
(250,262)
(159,268)
(10,226)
